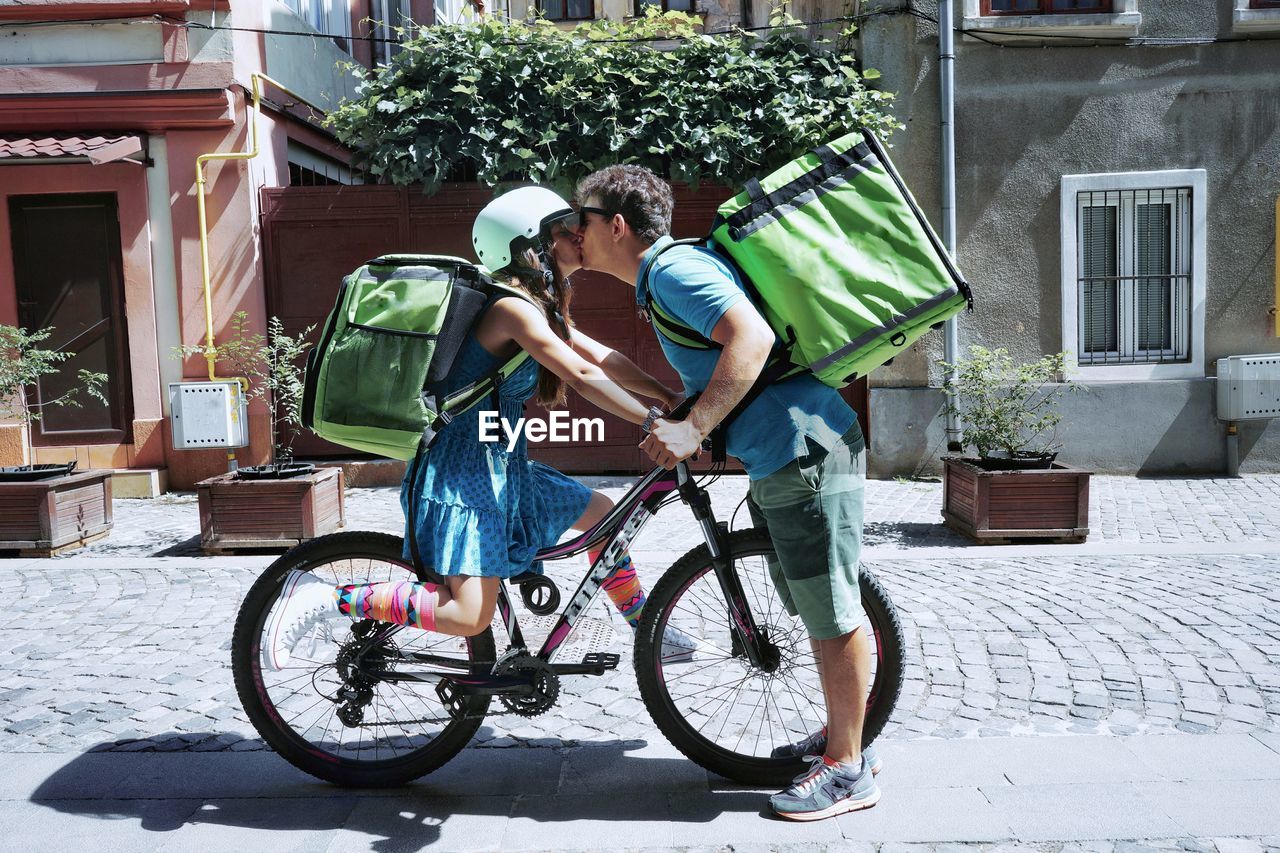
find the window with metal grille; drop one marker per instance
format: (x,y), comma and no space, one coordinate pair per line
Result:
(1044,7)
(567,10)
(1134,276)
(690,6)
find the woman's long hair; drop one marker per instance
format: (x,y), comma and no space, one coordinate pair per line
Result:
(526,272)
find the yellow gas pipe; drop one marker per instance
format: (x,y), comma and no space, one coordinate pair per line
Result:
(210,351)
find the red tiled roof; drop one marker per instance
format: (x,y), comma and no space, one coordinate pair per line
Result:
(31,147)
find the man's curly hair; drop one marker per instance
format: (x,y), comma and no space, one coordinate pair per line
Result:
(644,200)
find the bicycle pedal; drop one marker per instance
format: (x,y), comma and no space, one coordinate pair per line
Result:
(452,697)
(601,660)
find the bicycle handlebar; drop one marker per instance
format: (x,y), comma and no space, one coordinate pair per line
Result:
(681,412)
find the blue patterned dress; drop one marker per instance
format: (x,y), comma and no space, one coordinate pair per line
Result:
(481,510)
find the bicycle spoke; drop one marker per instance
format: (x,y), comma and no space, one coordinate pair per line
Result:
(336,669)
(752,713)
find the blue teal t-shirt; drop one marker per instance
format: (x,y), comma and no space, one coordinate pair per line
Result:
(782,424)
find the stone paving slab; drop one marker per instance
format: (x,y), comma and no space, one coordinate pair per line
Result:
(922,815)
(1100,810)
(71,798)
(1223,808)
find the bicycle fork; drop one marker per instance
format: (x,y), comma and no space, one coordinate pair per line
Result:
(748,637)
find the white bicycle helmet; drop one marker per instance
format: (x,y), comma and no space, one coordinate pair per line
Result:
(515,221)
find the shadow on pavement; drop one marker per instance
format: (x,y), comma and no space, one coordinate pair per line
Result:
(189,547)
(910,534)
(170,785)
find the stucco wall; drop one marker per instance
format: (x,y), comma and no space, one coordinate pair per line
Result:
(1027,116)
(82,44)
(1167,427)
(308,66)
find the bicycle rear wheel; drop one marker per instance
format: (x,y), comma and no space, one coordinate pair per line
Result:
(328,712)
(715,706)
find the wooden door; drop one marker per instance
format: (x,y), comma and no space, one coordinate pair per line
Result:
(68,272)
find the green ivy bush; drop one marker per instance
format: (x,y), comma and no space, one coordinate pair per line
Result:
(510,101)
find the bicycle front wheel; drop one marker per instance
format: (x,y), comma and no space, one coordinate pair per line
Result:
(713,704)
(337,709)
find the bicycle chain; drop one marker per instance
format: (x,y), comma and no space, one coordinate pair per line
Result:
(506,657)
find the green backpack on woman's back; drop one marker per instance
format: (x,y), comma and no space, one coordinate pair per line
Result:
(396,329)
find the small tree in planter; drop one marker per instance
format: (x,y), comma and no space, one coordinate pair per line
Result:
(1006,409)
(47,508)
(22,363)
(283,502)
(270,363)
(1013,489)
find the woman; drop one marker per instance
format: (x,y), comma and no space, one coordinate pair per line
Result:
(480,512)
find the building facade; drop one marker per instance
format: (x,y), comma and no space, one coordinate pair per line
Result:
(104,109)
(1117,174)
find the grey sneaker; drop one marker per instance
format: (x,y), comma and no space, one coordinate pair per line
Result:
(816,744)
(677,646)
(827,790)
(304,601)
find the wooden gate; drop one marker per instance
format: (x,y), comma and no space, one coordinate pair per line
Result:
(313,236)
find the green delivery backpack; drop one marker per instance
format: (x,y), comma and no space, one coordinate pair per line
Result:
(839,259)
(396,329)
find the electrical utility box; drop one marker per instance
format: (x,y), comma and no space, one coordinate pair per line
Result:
(208,414)
(1249,387)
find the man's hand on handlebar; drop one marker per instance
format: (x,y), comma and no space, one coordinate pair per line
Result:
(670,442)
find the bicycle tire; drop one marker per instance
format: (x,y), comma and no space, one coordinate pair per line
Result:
(266,717)
(671,721)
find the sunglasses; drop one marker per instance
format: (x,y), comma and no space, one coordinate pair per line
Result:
(575,220)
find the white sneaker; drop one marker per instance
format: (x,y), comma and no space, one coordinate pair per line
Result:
(305,600)
(677,646)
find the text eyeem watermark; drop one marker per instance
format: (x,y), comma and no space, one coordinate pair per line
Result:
(559,427)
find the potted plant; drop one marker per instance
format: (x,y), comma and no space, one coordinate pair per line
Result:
(46,509)
(283,502)
(1014,488)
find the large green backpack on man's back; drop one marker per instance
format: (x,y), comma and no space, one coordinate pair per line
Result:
(838,258)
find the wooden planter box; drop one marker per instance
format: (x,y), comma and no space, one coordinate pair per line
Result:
(269,513)
(41,518)
(1002,506)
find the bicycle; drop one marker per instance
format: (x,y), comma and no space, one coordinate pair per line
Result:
(351,708)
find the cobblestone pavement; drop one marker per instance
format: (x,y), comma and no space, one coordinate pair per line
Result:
(899,513)
(114,649)
(111,654)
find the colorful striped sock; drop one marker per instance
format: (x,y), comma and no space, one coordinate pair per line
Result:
(623,588)
(398,602)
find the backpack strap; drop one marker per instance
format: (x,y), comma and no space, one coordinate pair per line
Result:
(778,368)
(676,332)
(664,323)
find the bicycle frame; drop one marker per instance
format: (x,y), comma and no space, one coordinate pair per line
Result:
(616,531)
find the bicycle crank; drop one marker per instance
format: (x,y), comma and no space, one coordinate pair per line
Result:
(526,685)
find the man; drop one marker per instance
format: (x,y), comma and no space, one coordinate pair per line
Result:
(799,442)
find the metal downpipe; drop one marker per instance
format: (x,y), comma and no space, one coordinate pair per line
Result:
(946,77)
(256,78)
(211,351)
